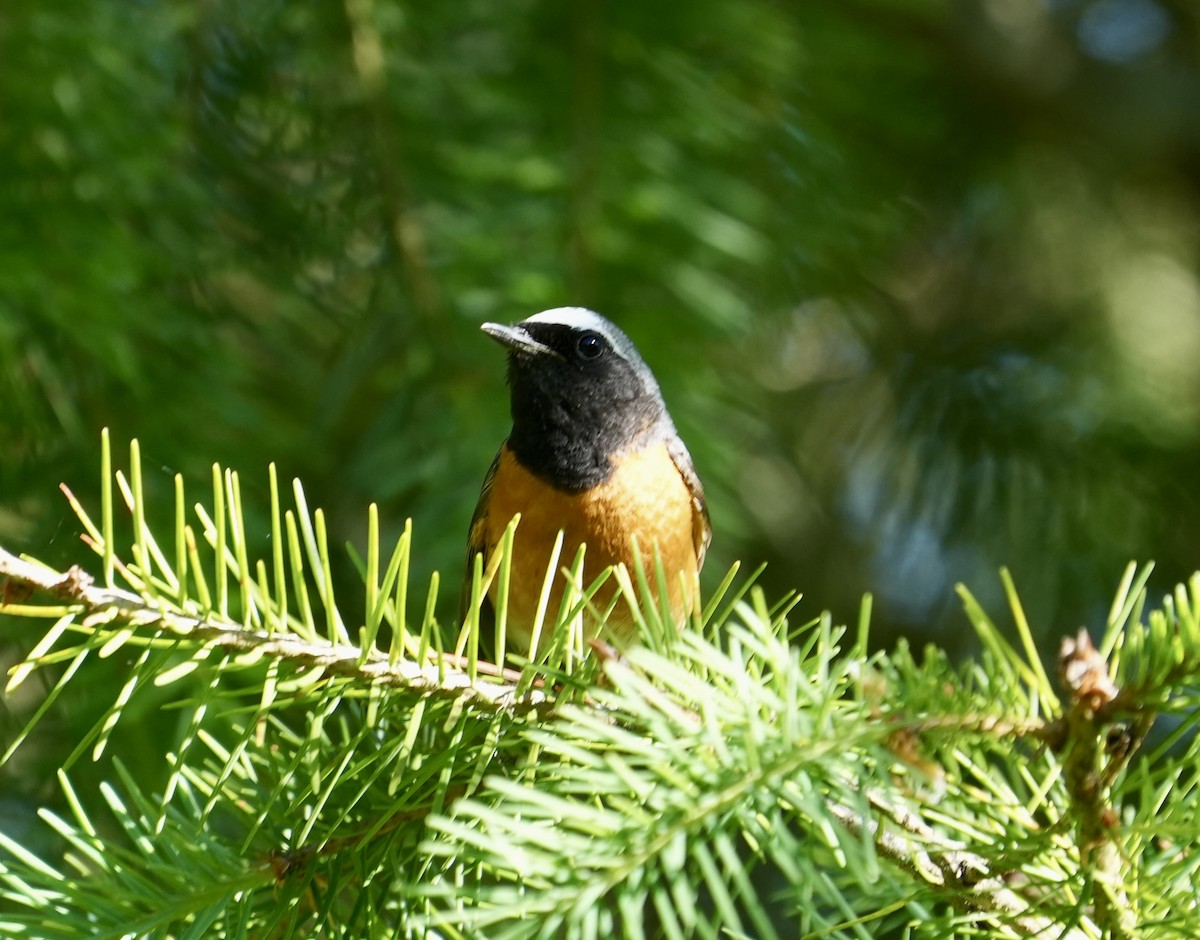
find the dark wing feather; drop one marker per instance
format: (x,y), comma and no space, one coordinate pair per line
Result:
(477,544)
(701,525)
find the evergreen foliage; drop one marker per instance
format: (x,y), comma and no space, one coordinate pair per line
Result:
(919,282)
(371,777)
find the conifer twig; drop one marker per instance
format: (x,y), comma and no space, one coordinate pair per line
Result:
(77,588)
(974,886)
(1089,771)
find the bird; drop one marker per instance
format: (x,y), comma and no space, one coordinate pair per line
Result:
(592,453)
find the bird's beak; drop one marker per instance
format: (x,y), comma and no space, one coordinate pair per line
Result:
(517,340)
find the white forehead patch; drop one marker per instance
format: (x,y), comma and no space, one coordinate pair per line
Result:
(578,318)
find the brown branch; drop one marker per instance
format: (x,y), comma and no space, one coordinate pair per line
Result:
(77,588)
(1089,768)
(974,887)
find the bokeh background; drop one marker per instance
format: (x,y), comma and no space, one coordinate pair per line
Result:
(920,280)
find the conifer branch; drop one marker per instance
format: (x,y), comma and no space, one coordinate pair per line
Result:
(92,602)
(973,885)
(670,771)
(1090,767)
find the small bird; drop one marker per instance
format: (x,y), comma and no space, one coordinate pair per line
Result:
(592,453)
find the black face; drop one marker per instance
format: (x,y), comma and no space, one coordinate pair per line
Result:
(578,401)
(565,341)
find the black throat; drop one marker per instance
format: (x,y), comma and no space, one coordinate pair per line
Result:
(569,433)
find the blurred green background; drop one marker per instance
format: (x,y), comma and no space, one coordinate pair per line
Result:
(919,279)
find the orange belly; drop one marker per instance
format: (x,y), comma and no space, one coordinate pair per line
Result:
(645,498)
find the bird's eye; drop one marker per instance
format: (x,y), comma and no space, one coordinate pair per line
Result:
(591,346)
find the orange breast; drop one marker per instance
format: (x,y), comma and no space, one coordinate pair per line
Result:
(645,498)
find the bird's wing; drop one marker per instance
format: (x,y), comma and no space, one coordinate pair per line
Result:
(701,525)
(477,544)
